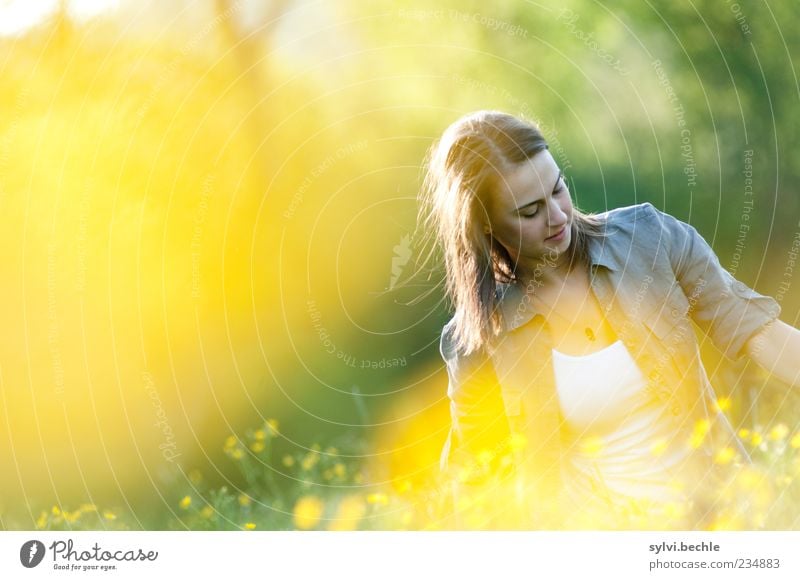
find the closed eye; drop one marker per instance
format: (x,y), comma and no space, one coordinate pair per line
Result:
(534,213)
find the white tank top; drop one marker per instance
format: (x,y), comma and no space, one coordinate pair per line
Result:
(621,443)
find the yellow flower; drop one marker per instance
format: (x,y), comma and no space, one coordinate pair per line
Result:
(744,433)
(307,512)
(42,521)
(260,435)
(250,526)
(378,498)
(724,456)
(56,510)
(779,432)
(288,460)
(207,512)
(723,404)
(244,500)
(72,517)
(331,451)
(659,447)
(230,442)
(701,428)
(310,460)
(109,515)
(757,439)
(257,446)
(350,510)
(87,507)
(795,442)
(339,470)
(237,453)
(272,427)
(186,502)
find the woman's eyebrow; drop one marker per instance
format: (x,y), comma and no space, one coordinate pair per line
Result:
(522,207)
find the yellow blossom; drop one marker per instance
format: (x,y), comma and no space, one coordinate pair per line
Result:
(260,435)
(109,515)
(310,460)
(779,432)
(56,510)
(207,512)
(350,510)
(257,446)
(757,439)
(288,460)
(307,512)
(339,470)
(87,507)
(230,442)
(378,498)
(744,433)
(186,502)
(701,428)
(237,453)
(724,455)
(72,517)
(244,500)
(272,427)
(723,404)
(250,526)
(42,520)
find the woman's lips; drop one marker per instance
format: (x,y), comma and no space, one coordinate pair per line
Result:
(558,236)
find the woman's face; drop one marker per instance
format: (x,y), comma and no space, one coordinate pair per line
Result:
(530,210)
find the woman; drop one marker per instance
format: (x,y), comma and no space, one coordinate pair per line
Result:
(572,360)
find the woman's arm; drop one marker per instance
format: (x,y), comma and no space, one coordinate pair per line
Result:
(777,349)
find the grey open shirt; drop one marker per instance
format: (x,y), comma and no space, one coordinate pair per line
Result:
(653,275)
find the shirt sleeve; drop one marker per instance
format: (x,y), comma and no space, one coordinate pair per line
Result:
(727,310)
(479,431)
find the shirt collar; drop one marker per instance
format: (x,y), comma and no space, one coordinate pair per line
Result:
(517,310)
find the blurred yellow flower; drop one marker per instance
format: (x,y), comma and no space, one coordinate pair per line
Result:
(257,446)
(237,453)
(272,427)
(72,517)
(378,498)
(109,515)
(56,510)
(310,460)
(87,507)
(722,404)
(756,439)
(41,522)
(332,451)
(186,502)
(724,456)
(744,433)
(250,526)
(244,500)
(351,509)
(339,470)
(307,512)
(230,442)
(195,476)
(778,432)
(795,442)
(260,435)
(207,512)
(701,428)
(288,460)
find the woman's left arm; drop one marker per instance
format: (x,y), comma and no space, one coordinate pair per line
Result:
(776,348)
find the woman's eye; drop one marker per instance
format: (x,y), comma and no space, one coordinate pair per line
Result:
(557,191)
(530,215)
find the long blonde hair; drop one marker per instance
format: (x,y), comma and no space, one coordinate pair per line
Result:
(461,167)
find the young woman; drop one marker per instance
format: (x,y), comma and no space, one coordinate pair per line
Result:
(572,360)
